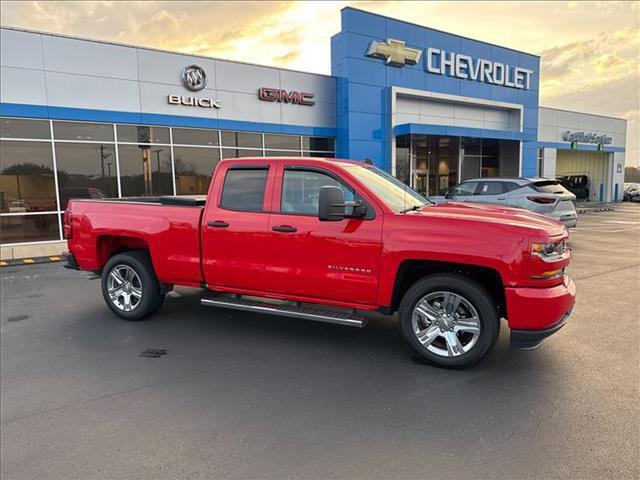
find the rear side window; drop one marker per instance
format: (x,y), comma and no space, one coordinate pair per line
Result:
(491,188)
(548,186)
(244,189)
(511,186)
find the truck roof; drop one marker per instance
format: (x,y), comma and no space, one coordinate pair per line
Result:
(320,160)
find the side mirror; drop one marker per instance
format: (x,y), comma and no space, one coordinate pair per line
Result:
(331,207)
(448,193)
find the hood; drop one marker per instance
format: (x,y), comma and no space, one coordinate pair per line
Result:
(478,212)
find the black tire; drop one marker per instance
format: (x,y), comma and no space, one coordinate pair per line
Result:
(473,293)
(152,293)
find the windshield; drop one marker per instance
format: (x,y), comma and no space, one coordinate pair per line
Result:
(395,194)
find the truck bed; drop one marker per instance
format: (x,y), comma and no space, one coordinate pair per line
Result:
(168,226)
(174,200)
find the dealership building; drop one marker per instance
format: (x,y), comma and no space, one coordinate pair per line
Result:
(90,119)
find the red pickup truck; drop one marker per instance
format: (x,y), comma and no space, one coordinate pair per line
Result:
(325,239)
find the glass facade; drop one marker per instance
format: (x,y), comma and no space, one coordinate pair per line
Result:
(44,164)
(431,164)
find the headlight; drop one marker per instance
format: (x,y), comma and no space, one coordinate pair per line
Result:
(548,250)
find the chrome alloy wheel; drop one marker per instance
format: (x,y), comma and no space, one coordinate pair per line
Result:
(124,287)
(446,324)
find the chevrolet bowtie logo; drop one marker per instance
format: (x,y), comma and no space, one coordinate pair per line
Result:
(394,52)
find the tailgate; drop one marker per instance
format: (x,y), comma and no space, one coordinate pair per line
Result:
(565,206)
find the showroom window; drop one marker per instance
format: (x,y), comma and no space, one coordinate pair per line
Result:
(28,183)
(321,144)
(143,134)
(91,132)
(145,170)
(193,169)
(241,139)
(86,170)
(282,142)
(18,128)
(240,153)
(40,173)
(195,136)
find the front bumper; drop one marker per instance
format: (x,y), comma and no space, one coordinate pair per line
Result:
(535,313)
(530,339)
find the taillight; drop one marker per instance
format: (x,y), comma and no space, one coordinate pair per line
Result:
(68,224)
(543,200)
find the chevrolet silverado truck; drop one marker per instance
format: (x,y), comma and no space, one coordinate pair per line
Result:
(327,240)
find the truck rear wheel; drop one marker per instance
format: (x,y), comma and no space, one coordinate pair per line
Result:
(130,286)
(449,320)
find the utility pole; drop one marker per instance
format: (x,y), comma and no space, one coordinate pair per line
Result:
(102,159)
(157,152)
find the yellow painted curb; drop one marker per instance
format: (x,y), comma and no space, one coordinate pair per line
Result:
(27,260)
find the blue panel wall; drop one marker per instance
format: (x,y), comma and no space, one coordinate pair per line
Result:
(364,85)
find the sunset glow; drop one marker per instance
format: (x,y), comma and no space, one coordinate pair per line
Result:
(590,51)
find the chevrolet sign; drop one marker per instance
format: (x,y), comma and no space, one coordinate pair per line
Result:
(441,62)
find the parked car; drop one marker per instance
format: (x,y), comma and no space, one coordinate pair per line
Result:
(579,185)
(631,193)
(322,239)
(540,195)
(67,193)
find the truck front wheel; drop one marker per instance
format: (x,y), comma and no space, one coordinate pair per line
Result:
(449,320)
(130,286)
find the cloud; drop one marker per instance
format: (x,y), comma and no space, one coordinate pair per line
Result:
(590,51)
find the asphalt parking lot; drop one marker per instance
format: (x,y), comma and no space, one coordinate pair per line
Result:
(235,395)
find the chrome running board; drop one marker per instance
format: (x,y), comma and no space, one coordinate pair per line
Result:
(285,309)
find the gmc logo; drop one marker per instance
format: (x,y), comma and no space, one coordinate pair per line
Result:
(275,95)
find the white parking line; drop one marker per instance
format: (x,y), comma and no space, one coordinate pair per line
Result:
(624,222)
(595,228)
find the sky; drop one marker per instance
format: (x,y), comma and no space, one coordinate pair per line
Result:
(590,50)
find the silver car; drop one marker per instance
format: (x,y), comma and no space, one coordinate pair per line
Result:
(539,195)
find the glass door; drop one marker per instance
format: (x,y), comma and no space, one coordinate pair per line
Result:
(421,182)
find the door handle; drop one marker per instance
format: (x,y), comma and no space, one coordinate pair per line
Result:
(218,224)
(284,228)
(502,198)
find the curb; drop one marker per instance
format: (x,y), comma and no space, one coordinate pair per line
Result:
(602,209)
(29,261)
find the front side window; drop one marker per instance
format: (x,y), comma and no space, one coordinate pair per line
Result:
(466,188)
(301,191)
(244,189)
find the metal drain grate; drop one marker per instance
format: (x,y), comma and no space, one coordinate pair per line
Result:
(153,353)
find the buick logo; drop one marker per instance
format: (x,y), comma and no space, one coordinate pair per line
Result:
(194,78)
